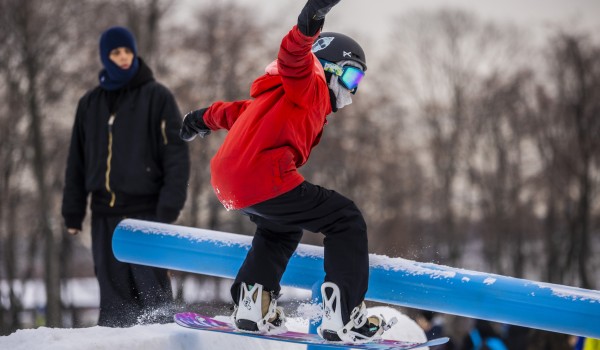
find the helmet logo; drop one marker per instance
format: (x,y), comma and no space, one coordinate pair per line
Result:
(346,54)
(322,43)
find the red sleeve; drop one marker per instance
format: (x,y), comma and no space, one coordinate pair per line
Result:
(296,65)
(222,115)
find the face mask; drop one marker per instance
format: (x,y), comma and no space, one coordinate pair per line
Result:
(343,96)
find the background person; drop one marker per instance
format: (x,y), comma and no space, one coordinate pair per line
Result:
(126,152)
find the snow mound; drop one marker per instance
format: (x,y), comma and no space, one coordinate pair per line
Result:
(174,337)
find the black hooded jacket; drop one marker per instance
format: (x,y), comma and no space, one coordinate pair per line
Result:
(126,152)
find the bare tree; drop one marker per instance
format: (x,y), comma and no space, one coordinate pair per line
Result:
(36,35)
(567,138)
(444,60)
(497,171)
(11,164)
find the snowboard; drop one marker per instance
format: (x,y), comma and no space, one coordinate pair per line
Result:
(205,323)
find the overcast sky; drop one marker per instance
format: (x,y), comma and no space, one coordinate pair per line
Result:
(376,15)
(536,12)
(373,18)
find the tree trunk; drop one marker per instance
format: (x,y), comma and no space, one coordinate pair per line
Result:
(52,275)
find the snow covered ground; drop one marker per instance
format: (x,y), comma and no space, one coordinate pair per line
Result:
(174,337)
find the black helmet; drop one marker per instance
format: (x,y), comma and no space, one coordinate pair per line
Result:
(335,47)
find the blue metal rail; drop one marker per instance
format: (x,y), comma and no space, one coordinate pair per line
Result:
(394,281)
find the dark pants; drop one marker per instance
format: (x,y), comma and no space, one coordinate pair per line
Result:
(279,224)
(129,293)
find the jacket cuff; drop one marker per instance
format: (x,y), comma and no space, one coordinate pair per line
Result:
(166,215)
(73,220)
(303,38)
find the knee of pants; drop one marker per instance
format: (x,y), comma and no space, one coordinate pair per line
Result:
(351,223)
(358,218)
(354,214)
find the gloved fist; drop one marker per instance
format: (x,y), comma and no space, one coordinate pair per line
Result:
(312,17)
(193,124)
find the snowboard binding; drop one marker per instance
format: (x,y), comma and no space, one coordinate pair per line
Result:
(360,329)
(257,311)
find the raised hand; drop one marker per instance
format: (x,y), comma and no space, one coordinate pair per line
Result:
(312,16)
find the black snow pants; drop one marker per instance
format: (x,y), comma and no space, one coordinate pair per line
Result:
(279,225)
(129,293)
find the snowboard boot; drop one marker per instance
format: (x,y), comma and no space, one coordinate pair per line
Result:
(360,329)
(257,311)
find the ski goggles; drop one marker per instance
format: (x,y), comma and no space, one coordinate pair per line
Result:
(348,76)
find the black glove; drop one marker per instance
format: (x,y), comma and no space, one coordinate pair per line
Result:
(193,124)
(312,17)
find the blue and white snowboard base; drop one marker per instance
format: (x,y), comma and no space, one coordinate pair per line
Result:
(205,323)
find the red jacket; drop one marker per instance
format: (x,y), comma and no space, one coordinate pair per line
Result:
(271,135)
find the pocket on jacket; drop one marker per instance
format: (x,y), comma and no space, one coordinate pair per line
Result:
(286,162)
(282,162)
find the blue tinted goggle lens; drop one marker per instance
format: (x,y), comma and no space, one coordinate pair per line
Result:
(351,77)
(348,76)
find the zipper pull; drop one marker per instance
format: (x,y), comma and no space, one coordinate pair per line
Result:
(163,129)
(113,196)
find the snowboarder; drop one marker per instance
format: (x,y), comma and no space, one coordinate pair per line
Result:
(256,171)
